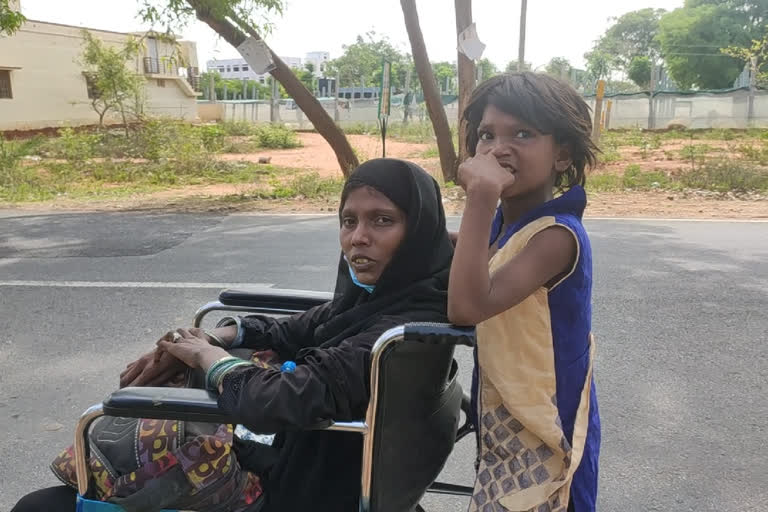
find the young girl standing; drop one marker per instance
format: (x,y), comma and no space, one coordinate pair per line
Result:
(528,136)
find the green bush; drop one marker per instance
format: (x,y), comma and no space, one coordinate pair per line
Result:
(75,148)
(313,186)
(237,128)
(213,137)
(275,136)
(164,139)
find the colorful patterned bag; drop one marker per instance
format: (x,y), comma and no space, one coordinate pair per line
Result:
(147,465)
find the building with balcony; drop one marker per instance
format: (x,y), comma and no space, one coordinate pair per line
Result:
(42,85)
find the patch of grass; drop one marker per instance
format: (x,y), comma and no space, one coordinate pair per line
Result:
(412,132)
(240,147)
(430,152)
(695,151)
(754,153)
(362,129)
(727,175)
(109,178)
(635,178)
(361,155)
(604,182)
(313,186)
(610,154)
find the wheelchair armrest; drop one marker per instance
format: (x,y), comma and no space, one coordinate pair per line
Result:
(297,300)
(176,404)
(166,404)
(427,332)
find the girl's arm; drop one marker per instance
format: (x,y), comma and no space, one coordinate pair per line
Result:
(473,294)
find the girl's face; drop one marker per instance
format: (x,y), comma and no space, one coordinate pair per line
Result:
(534,158)
(372,228)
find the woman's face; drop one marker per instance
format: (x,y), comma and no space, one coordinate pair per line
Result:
(372,228)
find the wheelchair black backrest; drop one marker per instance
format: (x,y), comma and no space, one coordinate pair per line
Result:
(419,404)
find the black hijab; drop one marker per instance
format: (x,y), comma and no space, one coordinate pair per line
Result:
(416,278)
(316,469)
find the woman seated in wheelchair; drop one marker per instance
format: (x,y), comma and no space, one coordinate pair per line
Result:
(394,269)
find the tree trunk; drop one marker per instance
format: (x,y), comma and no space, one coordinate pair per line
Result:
(466,72)
(300,94)
(448,161)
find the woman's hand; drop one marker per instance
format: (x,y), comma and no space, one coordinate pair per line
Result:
(190,347)
(155,368)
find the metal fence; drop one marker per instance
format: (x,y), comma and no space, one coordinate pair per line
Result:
(348,113)
(694,110)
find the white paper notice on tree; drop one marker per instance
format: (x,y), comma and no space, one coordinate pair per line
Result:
(257,55)
(469,44)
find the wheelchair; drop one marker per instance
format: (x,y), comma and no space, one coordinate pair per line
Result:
(409,430)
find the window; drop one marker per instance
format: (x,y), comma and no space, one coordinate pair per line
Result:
(5,84)
(229,68)
(221,69)
(90,83)
(245,68)
(357,95)
(235,68)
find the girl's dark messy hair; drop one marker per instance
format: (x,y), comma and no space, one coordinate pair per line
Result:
(549,105)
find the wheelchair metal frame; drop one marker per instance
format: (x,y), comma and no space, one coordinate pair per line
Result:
(366,427)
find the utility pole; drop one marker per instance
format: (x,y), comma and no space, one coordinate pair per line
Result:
(336,113)
(752,90)
(599,94)
(521,47)
(651,99)
(274,104)
(407,97)
(466,71)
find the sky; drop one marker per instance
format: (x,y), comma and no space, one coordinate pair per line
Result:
(555,28)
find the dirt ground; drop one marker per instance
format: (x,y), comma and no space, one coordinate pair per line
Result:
(317,156)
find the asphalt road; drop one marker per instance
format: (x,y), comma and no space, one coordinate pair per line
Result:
(679,315)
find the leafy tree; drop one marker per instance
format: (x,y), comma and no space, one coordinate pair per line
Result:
(237,20)
(306,76)
(620,86)
(600,64)
(487,69)
(512,67)
(10,18)
(757,50)
(231,88)
(753,13)
(640,71)
(559,67)
(362,61)
(633,34)
(444,72)
(691,38)
(113,86)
